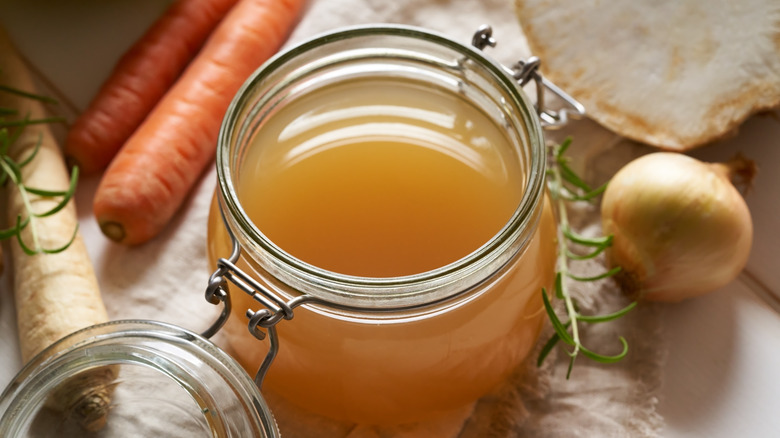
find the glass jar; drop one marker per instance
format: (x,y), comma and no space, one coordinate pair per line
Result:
(392,344)
(165,381)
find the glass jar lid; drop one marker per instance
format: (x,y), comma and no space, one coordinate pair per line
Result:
(139,378)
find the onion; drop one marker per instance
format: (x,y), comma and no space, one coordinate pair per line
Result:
(680,227)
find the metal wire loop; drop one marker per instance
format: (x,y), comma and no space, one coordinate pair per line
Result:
(527,70)
(261,322)
(216,292)
(256,321)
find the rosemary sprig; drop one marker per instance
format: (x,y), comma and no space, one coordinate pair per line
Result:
(566,186)
(10,170)
(33,96)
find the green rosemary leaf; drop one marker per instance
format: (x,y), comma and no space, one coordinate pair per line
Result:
(559,286)
(571,366)
(561,149)
(65,197)
(8,111)
(11,168)
(13,231)
(610,317)
(32,155)
(46,193)
(19,239)
(548,346)
(607,359)
(8,232)
(572,178)
(587,256)
(26,94)
(587,241)
(559,327)
(589,196)
(25,122)
(65,246)
(607,274)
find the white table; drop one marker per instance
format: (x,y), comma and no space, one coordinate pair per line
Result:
(721,378)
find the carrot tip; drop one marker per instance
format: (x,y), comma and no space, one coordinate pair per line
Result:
(113,230)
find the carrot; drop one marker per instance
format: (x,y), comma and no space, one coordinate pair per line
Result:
(55,294)
(139,80)
(149,178)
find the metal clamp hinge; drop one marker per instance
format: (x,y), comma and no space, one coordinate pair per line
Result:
(275,309)
(526,70)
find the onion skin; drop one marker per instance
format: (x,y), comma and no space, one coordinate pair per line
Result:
(680,228)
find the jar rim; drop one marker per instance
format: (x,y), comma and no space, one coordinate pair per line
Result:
(401,288)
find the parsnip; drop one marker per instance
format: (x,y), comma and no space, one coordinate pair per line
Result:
(55,294)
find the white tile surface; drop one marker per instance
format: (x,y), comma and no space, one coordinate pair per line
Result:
(721,373)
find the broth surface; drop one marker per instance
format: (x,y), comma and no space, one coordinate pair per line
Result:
(380,179)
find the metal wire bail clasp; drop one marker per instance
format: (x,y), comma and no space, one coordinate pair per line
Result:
(274,308)
(526,70)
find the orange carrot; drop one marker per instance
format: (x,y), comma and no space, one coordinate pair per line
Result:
(140,79)
(154,171)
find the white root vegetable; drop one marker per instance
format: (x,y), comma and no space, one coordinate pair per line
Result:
(672,74)
(55,294)
(681,229)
